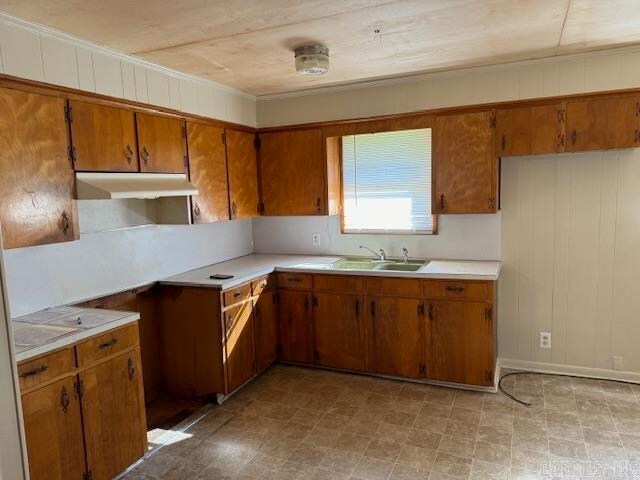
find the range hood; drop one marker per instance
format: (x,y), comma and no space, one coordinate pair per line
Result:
(106,186)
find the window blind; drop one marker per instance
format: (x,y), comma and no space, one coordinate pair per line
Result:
(387,182)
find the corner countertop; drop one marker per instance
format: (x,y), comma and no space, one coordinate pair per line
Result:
(42,332)
(253,266)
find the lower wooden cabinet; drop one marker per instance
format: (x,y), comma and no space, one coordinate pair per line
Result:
(296,326)
(265,326)
(239,345)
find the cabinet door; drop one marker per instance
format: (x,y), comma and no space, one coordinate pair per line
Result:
(530,130)
(208,172)
(296,326)
(161,144)
(53,430)
(339,331)
(239,347)
(293,172)
(461,339)
(396,336)
(37,181)
(104,138)
(114,415)
(266,329)
(243,174)
(602,123)
(464,164)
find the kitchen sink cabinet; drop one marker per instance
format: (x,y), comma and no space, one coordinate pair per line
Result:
(296,326)
(242,165)
(465,168)
(265,315)
(103,137)
(538,129)
(37,181)
(240,360)
(208,172)
(161,144)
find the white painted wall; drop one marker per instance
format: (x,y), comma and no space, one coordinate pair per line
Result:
(472,237)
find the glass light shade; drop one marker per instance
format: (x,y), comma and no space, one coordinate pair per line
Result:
(312,59)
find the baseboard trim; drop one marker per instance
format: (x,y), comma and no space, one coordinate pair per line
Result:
(542,367)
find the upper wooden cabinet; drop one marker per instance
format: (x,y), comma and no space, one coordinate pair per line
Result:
(464,164)
(603,123)
(298,174)
(104,138)
(531,130)
(243,174)
(37,181)
(161,144)
(208,172)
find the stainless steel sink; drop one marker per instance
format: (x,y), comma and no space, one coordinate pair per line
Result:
(401,267)
(359,263)
(354,264)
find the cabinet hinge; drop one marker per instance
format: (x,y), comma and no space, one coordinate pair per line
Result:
(492,120)
(186,161)
(637,108)
(87,475)
(430,311)
(421,309)
(71,152)
(315,301)
(79,388)
(257,142)
(488,313)
(224,138)
(68,113)
(261,207)
(184,130)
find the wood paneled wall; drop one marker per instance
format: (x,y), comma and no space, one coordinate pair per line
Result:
(570,238)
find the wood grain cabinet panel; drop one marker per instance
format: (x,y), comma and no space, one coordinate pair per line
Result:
(53,432)
(339,331)
(47,367)
(104,138)
(296,326)
(293,172)
(239,346)
(396,336)
(208,172)
(464,164)
(461,342)
(161,144)
(37,181)
(265,317)
(101,346)
(530,130)
(603,123)
(113,415)
(243,174)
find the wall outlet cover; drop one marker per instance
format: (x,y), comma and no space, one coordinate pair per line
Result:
(315,239)
(545,339)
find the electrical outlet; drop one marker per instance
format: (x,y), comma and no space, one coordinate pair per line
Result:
(618,362)
(545,339)
(315,239)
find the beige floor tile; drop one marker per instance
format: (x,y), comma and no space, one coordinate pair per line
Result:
(263,466)
(393,432)
(423,439)
(431,423)
(308,455)
(631,442)
(452,465)
(234,458)
(465,415)
(420,458)
(528,441)
(323,474)
(322,437)
(334,422)
(279,447)
(461,429)
(567,449)
(383,449)
(404,472)
(338,461)
(602,437)
(372,469)
(490,434)
(352,443)
(402,419)
(216,473)
(491,453)
(528,460)
(489,471)
(362,427)
(461,447)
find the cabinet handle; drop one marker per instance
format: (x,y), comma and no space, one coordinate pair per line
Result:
(561,139)
(234,209)
(64,399)
(430,311)
(196,210)
(108,344)
(128,153)
(454,289)
(574,137)
(442,201)
(131,369)
(145,154)
(33,372)
(504,142)
(373,309)
(65,222)
(318,201)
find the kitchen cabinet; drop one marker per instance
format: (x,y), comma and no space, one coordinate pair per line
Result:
(537,129)
(37,181)
(293,172)
(113,415)
(265,315)
(161,144)
(603,123)
(461,342)
(53,431)
(464,164)
(208,172)
(339,330)
(296,326)
(242,165)
(239,345)
(103,138)
(396,336)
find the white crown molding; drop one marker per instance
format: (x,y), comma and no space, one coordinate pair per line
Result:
(443,73)
(82,43)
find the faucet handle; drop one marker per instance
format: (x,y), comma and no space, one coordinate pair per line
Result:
(405,254)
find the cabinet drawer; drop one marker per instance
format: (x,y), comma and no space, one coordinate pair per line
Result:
(101,346)
(237,294)
(37,371)
(467,290)
(397,287)
(338,283)
(262,284)
(300,281)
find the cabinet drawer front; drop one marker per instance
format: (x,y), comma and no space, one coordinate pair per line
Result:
(101,346)
(467,290)
(38,371)
(294,280)
(263,284)
(400,287)
(338,283)
(236,295)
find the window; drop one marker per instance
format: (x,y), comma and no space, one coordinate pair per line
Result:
(386,181)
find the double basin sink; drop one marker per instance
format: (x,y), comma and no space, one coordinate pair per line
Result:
(359,263)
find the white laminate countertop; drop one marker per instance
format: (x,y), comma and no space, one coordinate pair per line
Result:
(54,328)
(249,267)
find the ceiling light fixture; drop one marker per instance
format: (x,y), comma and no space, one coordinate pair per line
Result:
(312,59)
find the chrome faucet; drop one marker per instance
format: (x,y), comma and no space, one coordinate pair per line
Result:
(382,255)
(405,255)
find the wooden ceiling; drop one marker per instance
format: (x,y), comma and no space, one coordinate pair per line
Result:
(248,44)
